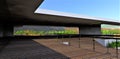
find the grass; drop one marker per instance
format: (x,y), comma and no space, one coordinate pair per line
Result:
(33,32)
(111,31)
(53,32)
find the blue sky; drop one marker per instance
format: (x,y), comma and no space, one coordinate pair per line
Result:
(99,8)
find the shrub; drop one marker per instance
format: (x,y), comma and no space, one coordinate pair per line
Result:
(113,44)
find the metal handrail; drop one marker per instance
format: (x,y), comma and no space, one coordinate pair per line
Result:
(60,36)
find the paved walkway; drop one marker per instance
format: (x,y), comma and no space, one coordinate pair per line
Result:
(53,49)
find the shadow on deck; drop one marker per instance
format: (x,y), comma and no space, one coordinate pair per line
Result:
(29,49)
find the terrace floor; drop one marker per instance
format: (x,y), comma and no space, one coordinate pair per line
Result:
(54,49)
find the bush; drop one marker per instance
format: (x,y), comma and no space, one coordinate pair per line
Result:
(113,44)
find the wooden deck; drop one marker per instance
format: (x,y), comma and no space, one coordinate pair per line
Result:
(84,52)
(54,49)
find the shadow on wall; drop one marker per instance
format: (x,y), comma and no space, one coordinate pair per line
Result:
(29,49)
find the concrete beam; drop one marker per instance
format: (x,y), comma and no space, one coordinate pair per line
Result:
(93,30)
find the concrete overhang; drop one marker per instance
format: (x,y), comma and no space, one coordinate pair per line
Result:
(22,12)
(18,8)
(55,16)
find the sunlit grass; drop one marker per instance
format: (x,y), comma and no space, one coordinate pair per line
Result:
(34,33)
(111,31)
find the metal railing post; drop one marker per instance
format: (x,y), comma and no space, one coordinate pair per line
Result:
(69,40)
(93,44)
(57,38)
(108,48)
(117,49)
(62,38)
(79,42)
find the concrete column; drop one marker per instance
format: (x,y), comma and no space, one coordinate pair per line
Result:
(1,30)
(6,30)
(94,30)
(91,30)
